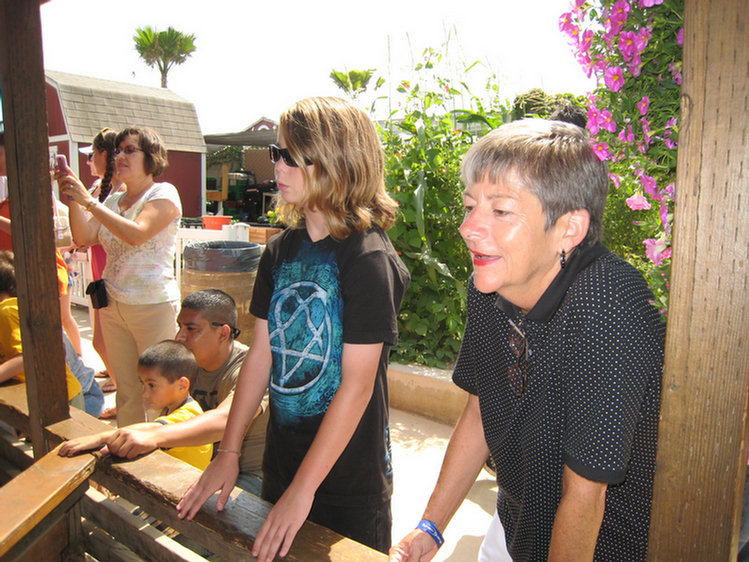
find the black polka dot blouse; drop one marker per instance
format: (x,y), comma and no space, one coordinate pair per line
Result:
(576,382)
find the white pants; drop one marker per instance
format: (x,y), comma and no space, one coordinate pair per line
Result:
(494,547)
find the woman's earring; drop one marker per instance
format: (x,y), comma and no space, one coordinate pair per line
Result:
(563,259)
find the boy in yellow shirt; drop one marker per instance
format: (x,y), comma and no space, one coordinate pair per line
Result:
(166,370)
(11,349)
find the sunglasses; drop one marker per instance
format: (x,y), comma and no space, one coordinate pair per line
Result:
(518,372)
(234,331)
(276,153)
(90,156)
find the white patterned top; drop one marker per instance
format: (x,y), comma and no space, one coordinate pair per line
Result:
(142,274)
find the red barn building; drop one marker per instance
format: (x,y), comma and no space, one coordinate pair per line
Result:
(78,107)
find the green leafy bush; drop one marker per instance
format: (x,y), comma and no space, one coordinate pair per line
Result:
(424,143)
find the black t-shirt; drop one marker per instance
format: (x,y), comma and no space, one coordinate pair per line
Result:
(316,296)
(591,400)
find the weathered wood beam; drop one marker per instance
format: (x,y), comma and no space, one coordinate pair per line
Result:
(139,536)
(156,482)
(702,453)
(25,118)
(36,493)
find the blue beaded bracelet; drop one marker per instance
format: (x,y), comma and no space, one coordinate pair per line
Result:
(431,529)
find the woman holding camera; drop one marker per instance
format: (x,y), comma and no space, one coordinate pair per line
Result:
(138,229)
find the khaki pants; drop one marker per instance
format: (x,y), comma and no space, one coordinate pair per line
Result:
(128,330)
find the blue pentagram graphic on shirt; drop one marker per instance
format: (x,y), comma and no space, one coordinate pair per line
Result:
(306,336)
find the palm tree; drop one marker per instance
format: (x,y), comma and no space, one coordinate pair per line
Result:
(163,49)
(354,82)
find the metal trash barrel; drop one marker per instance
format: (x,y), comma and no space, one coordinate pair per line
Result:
(228,265)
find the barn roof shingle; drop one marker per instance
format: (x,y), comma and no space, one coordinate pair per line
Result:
(88,104)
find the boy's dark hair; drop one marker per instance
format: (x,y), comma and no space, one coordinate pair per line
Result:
(7,273)
(215,305)
(172,358)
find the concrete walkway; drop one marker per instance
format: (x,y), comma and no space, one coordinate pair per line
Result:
(418,448)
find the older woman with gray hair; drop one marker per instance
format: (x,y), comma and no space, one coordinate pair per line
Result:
(562,358)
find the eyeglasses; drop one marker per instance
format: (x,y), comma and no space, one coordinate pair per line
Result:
(518,372)
(276,153)
(128,150)
(90,156)
(234,331)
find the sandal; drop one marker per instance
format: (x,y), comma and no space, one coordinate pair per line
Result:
(109,413)
(102,374)
(109,386)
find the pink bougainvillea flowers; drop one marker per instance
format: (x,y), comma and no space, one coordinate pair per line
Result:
(657,250)
(627,44)
(614,78)
(627,134)
(602,151)
(638,202)
(643,105)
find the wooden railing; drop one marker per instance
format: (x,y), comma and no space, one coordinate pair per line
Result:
(155,482)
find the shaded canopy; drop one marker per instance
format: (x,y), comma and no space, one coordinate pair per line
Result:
(260,138)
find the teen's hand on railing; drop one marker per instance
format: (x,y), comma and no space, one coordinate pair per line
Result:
(282,524)
(417,546)
(221,474)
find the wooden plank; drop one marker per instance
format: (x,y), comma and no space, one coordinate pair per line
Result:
(46,547)
(157,481)
(103,547)
(25,119)
(27,499)
(16,454)
(132,531)
(702,453)
(14,408)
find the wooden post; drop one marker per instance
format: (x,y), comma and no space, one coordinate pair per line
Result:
(25,118)
(702,453)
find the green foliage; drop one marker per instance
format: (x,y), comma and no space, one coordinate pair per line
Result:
(163,49)
(424,143)
(355,82)
(226,155)
(537,103)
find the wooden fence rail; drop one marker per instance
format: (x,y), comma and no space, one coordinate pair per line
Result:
(157,481)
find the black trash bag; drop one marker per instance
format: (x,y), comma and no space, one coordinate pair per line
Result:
(225,256)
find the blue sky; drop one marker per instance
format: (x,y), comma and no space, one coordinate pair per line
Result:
(253,59)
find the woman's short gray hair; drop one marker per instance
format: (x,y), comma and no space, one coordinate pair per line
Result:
(552,160)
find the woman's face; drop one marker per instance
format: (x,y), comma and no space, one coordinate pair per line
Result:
(131,160)
(513,254)
(289,179)
(98,163)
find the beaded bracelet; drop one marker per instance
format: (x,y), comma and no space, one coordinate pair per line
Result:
(232,451)
(431,529)
(91,204)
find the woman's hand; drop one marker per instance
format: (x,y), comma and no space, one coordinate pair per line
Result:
(221,474)
(72,189)
(282,524)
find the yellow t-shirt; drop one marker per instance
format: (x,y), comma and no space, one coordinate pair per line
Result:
(200,455)
(10,342)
